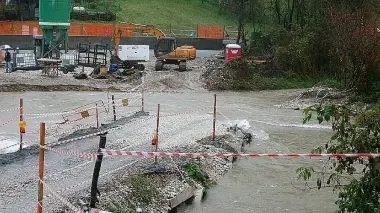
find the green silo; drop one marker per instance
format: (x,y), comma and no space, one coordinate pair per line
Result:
(54,20)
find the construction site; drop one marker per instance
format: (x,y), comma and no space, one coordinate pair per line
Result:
(117,117)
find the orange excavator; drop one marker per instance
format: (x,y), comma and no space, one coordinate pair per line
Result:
(165,48)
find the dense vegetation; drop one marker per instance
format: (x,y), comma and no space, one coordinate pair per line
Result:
(332,40)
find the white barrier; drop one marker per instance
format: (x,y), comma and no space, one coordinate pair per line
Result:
(25,60)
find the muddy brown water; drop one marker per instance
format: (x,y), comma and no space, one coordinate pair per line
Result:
(253,184)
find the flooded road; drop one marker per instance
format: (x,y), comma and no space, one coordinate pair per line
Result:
(253,184)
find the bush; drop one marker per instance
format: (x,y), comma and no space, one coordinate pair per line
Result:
(195,170)
(296,56)
(359,134)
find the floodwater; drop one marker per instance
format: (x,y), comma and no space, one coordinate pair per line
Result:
(254,184)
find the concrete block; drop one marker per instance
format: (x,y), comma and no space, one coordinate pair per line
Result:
(182,197)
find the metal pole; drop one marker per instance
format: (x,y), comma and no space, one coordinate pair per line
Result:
(158,122)
(97,115)
(21,119)
(214,119)
(114,108)
(108,100)
(41,158)
(142,93)
(95,176)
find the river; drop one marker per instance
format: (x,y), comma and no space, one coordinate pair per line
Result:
(253,184)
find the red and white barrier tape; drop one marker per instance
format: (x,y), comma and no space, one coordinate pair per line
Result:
(36,140)
(63,200)
(69,122)
(17,144)
(48,114)
(4,139)
(104,131)
(44,115)
(9,110)
(179,154)
(55,114)
(100,176)
(7,122)
(88,156)
(113,129)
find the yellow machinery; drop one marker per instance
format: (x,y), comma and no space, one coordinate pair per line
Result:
(165,49)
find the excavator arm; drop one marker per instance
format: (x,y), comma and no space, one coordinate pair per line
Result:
(129,28)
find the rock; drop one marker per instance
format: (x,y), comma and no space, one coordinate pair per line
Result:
(139,210)
(80,76)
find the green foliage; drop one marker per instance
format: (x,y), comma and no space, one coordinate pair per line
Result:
(297,55)
(194,169)
(305,172)
(359,134)
(316,39)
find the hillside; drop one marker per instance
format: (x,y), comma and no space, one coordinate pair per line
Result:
(179,14)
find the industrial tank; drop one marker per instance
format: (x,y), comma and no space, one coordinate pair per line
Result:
(54,13)
(54,20)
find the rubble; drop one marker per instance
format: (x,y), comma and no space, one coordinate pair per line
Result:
(215,77)
(315,95)
(76,80)
(122,191)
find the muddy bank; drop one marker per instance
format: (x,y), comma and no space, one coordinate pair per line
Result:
(146,187)
(49,88)
(168,79)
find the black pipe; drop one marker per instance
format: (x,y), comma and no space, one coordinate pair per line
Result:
(95,176)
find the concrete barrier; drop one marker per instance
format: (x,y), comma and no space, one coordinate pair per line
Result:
(26,42)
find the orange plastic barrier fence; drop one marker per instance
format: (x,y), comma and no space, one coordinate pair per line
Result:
(90,29)
(210,32)
(19,28)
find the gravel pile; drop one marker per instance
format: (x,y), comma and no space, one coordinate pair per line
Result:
(215,77)
(142,188)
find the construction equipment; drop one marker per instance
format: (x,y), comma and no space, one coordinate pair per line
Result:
(165,49)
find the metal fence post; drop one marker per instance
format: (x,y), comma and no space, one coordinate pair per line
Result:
(21,119)
(41,159)
(114,107)
(214,119)
(158,122)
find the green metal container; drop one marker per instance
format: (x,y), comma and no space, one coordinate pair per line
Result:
(54,13)
(54,20)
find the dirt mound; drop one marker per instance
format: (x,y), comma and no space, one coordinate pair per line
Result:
(222,75)
(46,88)
(216,77)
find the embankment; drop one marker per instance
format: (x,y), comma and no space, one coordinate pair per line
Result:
(163,187)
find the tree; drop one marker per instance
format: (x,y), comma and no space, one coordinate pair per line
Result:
(360,192)
(354,44)
(245,11)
